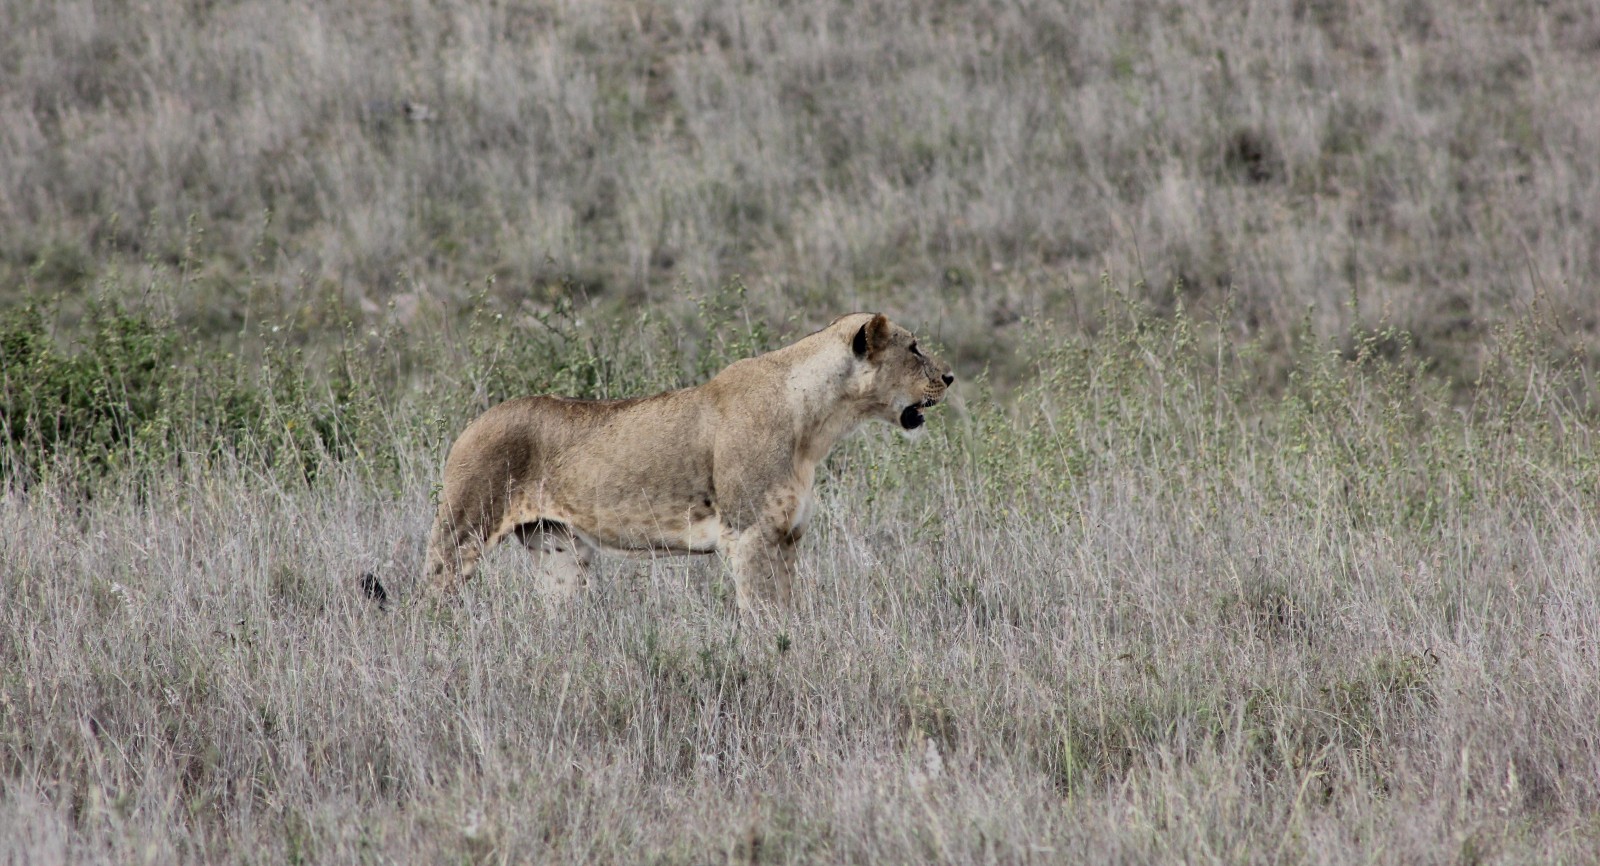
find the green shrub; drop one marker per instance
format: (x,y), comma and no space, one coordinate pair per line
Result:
(133,393)
(97,404)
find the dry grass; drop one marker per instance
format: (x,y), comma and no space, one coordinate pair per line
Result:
(1296,562)
(1412,162)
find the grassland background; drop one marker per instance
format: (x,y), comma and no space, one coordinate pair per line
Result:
(1263,528)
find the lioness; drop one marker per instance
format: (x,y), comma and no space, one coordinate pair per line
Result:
(726,466)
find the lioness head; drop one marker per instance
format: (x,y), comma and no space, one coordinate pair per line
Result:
(904,380)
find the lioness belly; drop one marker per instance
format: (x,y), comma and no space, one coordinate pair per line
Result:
(694,530)
(696,536)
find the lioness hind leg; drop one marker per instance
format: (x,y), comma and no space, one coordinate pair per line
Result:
(563,558)
(459,538)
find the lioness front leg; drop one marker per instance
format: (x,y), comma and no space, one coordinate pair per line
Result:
(763,560)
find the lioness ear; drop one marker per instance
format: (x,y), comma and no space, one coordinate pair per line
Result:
(873,336)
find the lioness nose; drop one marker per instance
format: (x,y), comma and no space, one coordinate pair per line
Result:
(948,378)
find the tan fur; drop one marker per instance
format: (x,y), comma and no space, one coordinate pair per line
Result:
(726,466)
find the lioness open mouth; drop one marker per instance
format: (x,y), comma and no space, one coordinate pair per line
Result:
(911,417)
